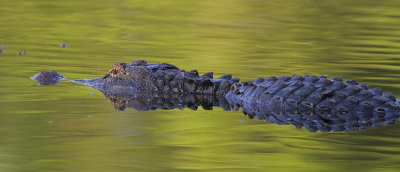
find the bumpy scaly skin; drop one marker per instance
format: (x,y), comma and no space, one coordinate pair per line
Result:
(139,77)
(117,70)
(318,103)
(327,102)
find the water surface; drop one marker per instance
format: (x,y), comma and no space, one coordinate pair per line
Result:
(71,127)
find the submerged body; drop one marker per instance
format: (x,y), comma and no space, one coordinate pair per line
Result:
(318,103)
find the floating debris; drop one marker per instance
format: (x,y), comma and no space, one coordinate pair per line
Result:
(4,47)
(54,99)
(2,51)
(92,94)
(241,121)
(63,45)
(50,122)
(90,116)
(22,53)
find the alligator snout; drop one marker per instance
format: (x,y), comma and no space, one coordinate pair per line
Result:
(48,77)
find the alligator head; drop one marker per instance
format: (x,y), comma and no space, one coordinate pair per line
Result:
(141,77)
(125,79)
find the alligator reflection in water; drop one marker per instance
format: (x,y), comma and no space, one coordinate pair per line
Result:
(146,102)
(316,102)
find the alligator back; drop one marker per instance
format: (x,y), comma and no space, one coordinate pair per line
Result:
(326,100)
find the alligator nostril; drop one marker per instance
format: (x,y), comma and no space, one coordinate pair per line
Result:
(47,77)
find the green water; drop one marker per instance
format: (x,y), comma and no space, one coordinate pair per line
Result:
(71,127)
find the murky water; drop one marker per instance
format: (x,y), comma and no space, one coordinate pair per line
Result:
(71,127)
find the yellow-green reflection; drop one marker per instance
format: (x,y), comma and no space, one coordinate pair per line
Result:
(249,39)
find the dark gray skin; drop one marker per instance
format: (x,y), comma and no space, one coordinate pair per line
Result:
(48,77)
(323,100)
(318,103)
(192,101)
(140,77)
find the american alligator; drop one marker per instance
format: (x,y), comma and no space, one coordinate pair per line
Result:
(316,102)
